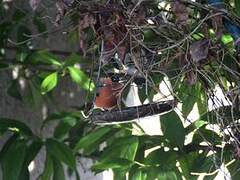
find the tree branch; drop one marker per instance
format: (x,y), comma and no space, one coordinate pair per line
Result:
(63,53)
(130,113)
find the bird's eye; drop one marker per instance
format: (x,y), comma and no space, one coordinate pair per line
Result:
(115,78)
(97,94)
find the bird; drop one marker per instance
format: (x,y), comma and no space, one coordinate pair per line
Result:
(217,3)
(107,93)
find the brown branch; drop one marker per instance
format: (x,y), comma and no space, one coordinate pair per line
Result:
(130,113)
(63,53)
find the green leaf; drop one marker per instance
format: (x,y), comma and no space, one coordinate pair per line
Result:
(23,34)
(58,170)
(150,37)
(237,7)
(196,125)
(77,132)
(72,60)
(31,152)
(200,162)
(14,90)
(35,92)
(48,168)
(18,15)
(138,175)
(119,174)
(72,37)
(6,29)
(49,82)
(166,160)
(226,39)
(203,134)
(63,127)
(32,95)
(189,96)
(227,113)
(22,56)
(173,129)
(198,36)
(202,102)
(61,152)
(3,65)
(163,175)
(234,170)
(81,78)
(130,151)
(143,95)
(15,126)
(185,168)
(96,144)
(13,160)
(46,57)
(114,163)
(68,117)
(125,147)
(40,25)
(187,105)
(54,117)
(199,123)
(91,138)
(7,144)
(151,141)
(25,175)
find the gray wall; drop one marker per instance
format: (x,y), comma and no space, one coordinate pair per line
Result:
(66,95)
(33,117)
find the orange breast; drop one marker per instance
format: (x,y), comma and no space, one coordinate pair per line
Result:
(108,93)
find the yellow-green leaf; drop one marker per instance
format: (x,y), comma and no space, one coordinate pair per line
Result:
(49,82)
(47,57)
(226,39)
(81,78)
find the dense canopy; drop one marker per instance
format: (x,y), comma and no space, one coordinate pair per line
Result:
(189,48)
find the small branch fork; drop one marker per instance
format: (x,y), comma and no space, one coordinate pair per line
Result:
(128,114)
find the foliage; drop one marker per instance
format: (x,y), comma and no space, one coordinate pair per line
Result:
(193,47)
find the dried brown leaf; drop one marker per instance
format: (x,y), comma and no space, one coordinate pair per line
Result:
(87,21)
(82,43)
(191,77)
(122,50)
(34,4)
(199,50)
(61,7)
(217,23)
(181,12)
(68,2)
(61,10)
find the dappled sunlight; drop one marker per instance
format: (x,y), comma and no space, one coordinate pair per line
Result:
(31,166)
(44,111)
(218,99)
